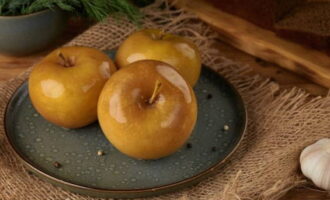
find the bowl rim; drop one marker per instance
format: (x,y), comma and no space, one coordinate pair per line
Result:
(26,15)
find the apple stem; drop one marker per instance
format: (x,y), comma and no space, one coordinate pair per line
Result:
(155,93)
(66,62)
(159,36)
(162,34)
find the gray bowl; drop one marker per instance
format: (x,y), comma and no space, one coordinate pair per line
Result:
(26,34)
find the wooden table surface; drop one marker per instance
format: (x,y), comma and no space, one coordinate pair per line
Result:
(12,66)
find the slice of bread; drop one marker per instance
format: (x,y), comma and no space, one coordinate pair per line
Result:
(307,24)
(263,13)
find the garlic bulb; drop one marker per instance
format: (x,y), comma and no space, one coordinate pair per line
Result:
(315,163)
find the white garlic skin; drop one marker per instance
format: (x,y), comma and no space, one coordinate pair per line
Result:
(315,163)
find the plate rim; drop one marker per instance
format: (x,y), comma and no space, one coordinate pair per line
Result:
(152,191)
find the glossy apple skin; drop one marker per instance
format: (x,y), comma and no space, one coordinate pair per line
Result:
(137,128)
(68,96)
(153,44)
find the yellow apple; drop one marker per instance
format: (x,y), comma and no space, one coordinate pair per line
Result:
(154,44)
(65,86)
(147,110)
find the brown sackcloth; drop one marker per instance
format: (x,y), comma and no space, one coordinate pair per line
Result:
(265,165)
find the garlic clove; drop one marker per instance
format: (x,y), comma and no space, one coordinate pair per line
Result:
(315,163)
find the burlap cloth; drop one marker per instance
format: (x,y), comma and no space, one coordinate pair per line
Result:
(265,165)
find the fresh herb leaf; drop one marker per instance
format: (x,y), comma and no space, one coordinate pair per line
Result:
(93,9)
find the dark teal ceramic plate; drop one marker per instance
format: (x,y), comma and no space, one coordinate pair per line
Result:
(39,144)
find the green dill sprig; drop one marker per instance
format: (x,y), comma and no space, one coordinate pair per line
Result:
(92,9)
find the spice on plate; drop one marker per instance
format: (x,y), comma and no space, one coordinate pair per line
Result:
(213,149)
(189,145)
(100,153)
(57,164)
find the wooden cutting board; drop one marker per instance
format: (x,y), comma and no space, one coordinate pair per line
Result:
(262,43)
